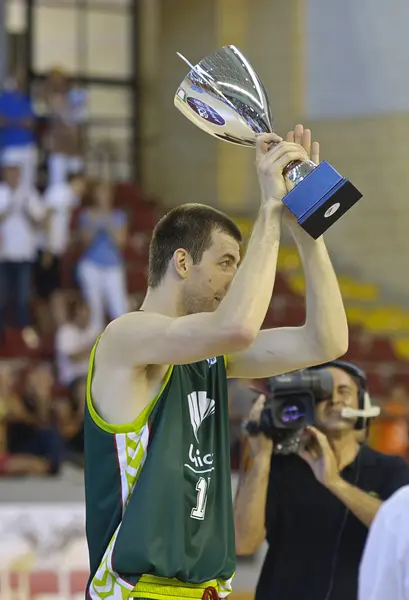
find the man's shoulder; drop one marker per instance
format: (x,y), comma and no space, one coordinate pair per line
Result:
(374,458)
(400,498)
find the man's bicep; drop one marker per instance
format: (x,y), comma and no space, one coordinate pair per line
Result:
(273,352)
(144,338)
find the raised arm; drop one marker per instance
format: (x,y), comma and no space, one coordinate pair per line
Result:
(150,338)
(324,336)
(251,495)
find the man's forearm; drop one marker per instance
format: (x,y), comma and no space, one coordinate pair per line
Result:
(361,504)
(249,507)
(249,296)
(326,322)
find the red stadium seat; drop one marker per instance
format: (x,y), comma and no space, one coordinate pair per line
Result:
(78,581)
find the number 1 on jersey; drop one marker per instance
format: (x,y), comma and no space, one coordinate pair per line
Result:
(202,487)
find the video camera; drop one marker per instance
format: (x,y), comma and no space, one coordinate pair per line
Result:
(290,407)
(291,399)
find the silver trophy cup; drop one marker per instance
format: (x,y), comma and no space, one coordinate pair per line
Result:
(224,96)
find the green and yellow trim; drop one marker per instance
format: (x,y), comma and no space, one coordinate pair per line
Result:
(161,588)
(139,422)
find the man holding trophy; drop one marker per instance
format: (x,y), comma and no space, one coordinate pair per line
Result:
(157,461)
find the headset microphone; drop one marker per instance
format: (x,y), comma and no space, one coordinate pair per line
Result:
(366,411)
(369,413)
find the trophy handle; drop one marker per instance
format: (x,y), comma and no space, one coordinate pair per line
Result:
(296,171)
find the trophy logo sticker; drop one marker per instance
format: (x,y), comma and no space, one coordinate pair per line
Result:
(205,111)
(332,210)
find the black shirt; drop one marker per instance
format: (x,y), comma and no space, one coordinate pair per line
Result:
(315,543)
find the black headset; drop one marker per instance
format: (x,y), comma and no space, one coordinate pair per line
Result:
(360,377)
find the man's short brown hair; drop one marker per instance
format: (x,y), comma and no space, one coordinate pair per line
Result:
(189,226)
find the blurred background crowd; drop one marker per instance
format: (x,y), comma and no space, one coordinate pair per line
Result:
(73,255)
(75,224)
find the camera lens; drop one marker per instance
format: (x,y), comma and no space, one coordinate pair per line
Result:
(292,412)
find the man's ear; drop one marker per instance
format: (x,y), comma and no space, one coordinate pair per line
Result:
(182,262)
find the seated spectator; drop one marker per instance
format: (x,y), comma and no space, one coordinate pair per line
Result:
(71,422)
(17,129)
(74,341)
(389,433)
(101,269)
(21,214)
(59,201)
(7,399)
(32,444)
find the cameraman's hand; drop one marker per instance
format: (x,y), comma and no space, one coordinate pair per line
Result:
(259,444)
(317,452)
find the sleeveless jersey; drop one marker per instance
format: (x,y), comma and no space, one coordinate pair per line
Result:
(159,514)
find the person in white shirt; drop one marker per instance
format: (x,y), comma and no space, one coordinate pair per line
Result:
(74,341)
(60,200)
(21,214)
(384,570)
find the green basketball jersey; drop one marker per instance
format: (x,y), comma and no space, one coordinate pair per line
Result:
(158,491)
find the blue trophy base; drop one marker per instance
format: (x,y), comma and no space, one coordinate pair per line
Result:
(321,199)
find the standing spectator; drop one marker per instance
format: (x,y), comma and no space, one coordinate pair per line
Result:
(74,341)
(101,269)
(60,200)
(17,129)
(66,111)
(21,214)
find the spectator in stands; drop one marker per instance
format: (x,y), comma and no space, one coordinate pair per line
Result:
(71,422)
(21,214)
(74,341)
(32,444)
(7,399)
(60,200)
(389,433)
(17,125)
(66,111)
(101,270)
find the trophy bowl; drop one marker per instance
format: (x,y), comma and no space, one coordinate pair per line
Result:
(224,96)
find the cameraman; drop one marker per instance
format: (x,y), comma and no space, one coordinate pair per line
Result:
(315,506)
